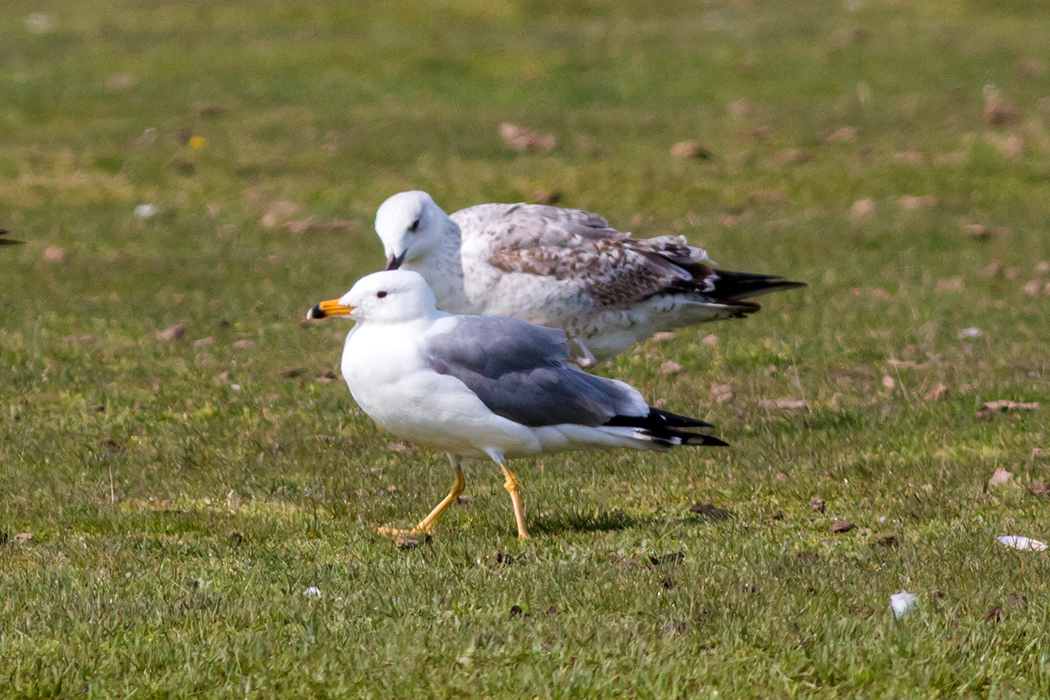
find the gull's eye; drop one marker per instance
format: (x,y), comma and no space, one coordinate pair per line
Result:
(414,227)
(380,295)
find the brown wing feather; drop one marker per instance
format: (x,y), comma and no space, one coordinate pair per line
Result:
(579,247)
(575,246)
(612,272)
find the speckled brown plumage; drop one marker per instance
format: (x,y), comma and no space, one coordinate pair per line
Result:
(563,268)
(570,244)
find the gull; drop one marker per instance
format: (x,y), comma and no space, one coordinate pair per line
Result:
(563,268)
(483,388)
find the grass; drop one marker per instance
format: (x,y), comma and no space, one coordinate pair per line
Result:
(182,496)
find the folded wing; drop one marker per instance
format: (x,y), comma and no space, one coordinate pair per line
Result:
(580,248)
(518,370)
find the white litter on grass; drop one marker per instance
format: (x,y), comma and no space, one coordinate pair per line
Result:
(1018,542)
(145,211)
(39,23)
(312,592)
(903,602)
(971,333)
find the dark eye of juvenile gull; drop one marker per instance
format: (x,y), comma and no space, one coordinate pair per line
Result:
(414,227)
(380,294)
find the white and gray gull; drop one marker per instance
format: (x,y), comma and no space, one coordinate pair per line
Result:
(563,268)
(484,388)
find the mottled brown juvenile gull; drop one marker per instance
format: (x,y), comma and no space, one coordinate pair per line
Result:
(563,268)
(484,388)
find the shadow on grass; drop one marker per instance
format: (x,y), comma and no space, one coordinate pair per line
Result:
(576,521)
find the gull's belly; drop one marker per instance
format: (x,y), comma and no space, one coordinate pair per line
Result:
(392,384)
(541,300)
(607,330)
(438,411)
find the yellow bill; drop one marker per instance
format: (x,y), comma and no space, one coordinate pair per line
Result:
(332,307)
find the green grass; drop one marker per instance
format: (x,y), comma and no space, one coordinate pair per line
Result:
(175,529)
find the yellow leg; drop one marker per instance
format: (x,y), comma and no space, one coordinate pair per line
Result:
(511,484)
(458,487)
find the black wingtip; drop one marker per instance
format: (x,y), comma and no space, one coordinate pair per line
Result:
(736,286)
(666,428)
(8,241)
(706,441)
(674,420)
(658,420)
(669,437)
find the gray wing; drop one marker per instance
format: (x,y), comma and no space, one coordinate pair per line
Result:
(518,371)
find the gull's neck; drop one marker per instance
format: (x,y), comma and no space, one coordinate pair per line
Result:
(363,335)
(443,271)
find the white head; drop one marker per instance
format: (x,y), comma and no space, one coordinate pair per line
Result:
(393,296)
(410,225)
